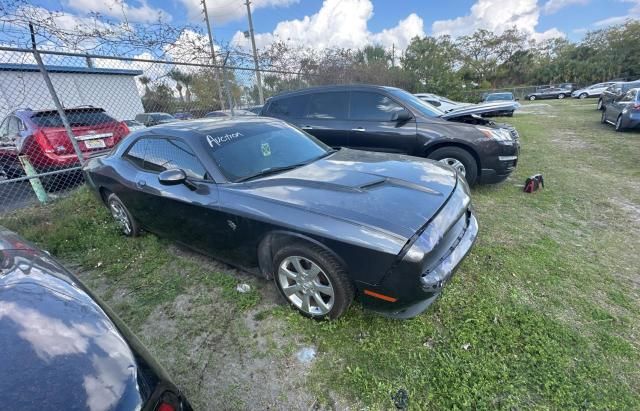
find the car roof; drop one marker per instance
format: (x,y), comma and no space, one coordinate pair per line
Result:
(192,129)
(337,87)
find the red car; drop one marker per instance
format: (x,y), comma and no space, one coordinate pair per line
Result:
(41,136)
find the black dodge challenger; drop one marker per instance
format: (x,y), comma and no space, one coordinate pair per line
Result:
(327,225)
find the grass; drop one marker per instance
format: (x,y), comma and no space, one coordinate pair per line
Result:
(543,314)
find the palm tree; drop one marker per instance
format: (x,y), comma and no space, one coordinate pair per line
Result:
(187,80)
(179,88)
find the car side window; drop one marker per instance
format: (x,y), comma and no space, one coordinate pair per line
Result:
(136,152)
(13,127)
(167,154)
(291,107)
(368,106)
(630,96)
(329,105)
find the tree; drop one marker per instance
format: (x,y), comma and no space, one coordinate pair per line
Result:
(432,64)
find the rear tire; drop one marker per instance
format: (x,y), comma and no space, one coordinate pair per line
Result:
(128,225)
(599,106)
(312,281)
(470,172)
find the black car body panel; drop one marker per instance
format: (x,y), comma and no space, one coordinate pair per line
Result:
(364,208)
(64,349)
(549,93)
(418,136)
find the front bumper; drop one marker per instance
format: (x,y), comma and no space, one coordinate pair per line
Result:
(430,283)
(501,164)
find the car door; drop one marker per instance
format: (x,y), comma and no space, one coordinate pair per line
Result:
(189,216)
(374,127)
(621,103)
(326,117)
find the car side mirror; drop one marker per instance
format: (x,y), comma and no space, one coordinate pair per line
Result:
(401,116)
(175,177)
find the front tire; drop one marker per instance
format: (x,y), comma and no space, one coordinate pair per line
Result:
(128,225)
(582,96)
(560,96)
(460,159)
(532,98)
(599,106)
(312,281)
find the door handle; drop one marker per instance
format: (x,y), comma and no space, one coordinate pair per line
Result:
(306,128)
(358,129)
(141,183)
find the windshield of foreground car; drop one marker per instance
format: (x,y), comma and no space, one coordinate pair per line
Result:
(254,150)
(415,102)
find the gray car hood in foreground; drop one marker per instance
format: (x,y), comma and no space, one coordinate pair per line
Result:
(392,193)
(479,109)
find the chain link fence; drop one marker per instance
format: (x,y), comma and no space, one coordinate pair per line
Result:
(59,109)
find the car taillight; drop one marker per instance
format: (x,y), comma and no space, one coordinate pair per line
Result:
(163,406)
(43,141)
(120,131)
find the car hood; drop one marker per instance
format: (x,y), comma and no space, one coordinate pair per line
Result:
(391,193)
(483,108)
(60,350)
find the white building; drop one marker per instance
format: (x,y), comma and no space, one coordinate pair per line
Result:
(115,90)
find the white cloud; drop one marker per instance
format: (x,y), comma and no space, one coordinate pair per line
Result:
(222,11)
(553,6)
(121,10)
(496,15)
(632,14)
(338,23)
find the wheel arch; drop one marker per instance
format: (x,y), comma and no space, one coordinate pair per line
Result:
(274,240)
(431,148)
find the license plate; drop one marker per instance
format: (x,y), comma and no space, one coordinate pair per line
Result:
(94,143)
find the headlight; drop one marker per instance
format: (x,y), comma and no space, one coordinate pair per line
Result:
(499,134)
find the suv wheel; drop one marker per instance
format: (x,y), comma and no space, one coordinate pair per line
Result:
(460,159)
(560,96)
(599,107)
(123,217)
(583,96)
(531,98)
(619,124)
(312,281)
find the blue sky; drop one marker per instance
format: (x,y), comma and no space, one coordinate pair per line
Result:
(353,23)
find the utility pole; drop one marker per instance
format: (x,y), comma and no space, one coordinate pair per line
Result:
(255,53)
(213,54)
(393,54)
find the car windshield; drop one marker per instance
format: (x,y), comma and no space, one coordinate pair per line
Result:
(415,102)
(251,150)
(132,123)
(500,96)
(76,118)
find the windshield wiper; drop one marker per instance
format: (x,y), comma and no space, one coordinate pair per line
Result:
(268,171)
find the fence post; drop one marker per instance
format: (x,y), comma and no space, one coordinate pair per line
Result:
(56,102)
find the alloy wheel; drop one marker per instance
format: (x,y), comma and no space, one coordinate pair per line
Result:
(456,164)
(619,123)
(120,215)
(599,104)
(305,285)
(583,96)
(561,96)
(532,98)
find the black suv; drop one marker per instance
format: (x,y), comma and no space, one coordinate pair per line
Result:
(614,91)
(388,119)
